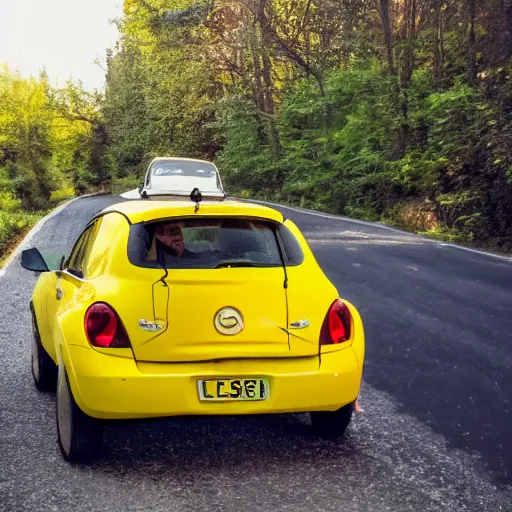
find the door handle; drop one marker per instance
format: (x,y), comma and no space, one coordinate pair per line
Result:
(59,294)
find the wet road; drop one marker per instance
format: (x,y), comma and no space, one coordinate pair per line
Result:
(435,434)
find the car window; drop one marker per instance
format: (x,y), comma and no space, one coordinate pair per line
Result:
(183,168)
(293,254)
(210,243)
(80,255)
(179,175)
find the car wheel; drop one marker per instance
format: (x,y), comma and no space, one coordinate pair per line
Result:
(79,436)
(332,424)
(44,370)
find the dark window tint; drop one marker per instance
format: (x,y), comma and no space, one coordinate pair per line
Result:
(212,243)
(293,254)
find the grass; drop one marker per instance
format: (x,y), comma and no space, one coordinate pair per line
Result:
(13,229)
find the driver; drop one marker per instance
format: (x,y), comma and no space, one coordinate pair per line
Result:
(168,241)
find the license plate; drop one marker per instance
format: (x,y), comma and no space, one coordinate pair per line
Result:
(232,389)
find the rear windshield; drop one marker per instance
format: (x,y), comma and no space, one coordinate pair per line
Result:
(183,168)
(184,176)
(212,243)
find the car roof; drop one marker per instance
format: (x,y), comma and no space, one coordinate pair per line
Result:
(180,159)
(141,210)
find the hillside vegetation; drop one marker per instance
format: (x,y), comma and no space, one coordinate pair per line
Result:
(51,144)
(390,110)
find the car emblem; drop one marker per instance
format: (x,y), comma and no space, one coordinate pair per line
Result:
(301,324)
(228,321)
(146,325)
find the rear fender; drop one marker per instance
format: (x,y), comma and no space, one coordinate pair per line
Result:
(69,330)
(310,294)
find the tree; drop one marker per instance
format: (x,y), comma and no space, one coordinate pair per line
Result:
(360,107)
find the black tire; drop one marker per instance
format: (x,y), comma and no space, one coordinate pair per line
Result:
(79,436)
(332,424)
(44,370)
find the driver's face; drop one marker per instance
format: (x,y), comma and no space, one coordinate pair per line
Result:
(171,236)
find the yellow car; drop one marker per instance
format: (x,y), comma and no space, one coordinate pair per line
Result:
(168,308)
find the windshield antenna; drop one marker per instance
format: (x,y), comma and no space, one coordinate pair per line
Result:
(196,196)
(161,262)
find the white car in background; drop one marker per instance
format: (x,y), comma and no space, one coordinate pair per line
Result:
(179,177)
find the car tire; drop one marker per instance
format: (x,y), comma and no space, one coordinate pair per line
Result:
(79,436)
(332,424)
(44,370)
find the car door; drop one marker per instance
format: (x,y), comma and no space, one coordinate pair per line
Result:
(69,280)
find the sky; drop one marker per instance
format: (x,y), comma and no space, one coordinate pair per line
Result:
(63,36)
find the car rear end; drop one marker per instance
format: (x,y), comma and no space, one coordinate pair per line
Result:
(247,323)
(179,176)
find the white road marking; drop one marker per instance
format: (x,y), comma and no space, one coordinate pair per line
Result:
(476,251)
(131,194)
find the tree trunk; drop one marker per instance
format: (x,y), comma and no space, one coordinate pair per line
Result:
(307,37)
(269,106)
(407,68)
(471,57)
(257,83)
(439,46)
(271,33)
(386,25)
(268,85)
(408,61)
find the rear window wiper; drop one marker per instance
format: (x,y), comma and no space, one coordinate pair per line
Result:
(237,262)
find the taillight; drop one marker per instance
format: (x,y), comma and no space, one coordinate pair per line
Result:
(337,324)
(103,327)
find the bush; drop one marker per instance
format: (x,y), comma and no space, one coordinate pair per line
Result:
(8,203)
(121,185)
(12,225)
(61,195)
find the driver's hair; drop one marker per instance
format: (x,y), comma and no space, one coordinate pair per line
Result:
(172,228)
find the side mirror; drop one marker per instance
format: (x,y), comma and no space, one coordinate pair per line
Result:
(32,259)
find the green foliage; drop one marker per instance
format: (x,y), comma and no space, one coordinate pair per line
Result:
(120,185)
(49,138)
(51,145)
(245,161)
(447,235)
(160,89)
(12,225)
(311,104)
(61,196)
(8,203)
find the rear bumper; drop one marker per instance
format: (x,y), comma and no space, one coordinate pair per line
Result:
(120,388)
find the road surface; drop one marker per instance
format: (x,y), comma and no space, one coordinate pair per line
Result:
(435,435)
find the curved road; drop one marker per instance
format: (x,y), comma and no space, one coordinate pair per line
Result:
(435,435)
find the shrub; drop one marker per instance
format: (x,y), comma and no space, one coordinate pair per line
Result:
(12,225)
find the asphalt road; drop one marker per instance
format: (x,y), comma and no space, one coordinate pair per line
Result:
(435,435)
